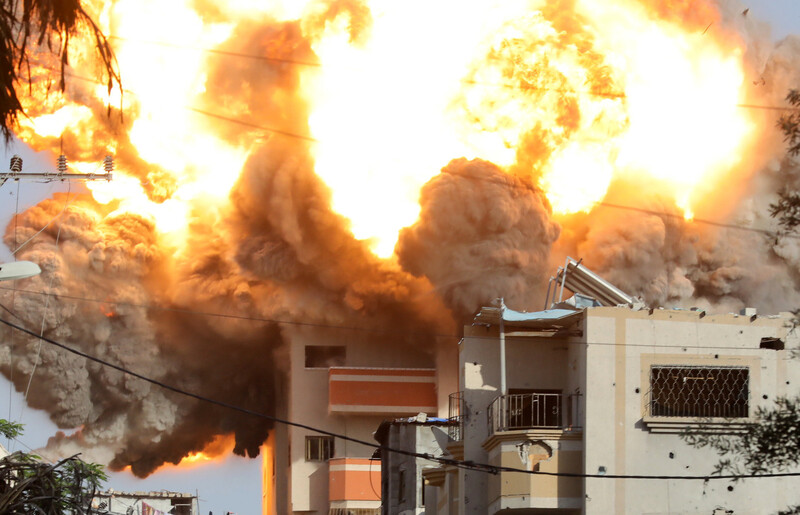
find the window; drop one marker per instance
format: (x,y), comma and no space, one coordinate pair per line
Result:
(533,408)
(182,506)
(325,356)
(698,391)
(319,448)
(401,487)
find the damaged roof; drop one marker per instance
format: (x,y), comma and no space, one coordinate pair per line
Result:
(547,319)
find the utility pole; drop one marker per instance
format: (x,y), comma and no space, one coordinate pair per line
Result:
(22,269)
(62,175)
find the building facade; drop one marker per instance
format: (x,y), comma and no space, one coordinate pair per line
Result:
(607,391)
(403,486)
(162,502)
(346,386)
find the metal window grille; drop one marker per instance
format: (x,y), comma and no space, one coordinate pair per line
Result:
(456,415)
(319,448)
(696,391)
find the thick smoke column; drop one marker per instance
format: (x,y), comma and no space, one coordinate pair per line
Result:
(482,234)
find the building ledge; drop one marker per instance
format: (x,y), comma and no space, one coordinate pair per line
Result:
(456,449)
(434,476)
(531,434)
(522,502)
(684,424)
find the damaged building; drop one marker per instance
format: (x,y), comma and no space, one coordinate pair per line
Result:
(582,396)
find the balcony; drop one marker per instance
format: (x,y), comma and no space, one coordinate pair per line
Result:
(524,411)
(535,431)
(456,416)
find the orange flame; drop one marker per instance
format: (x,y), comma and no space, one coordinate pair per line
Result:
(220,447)
(574,94)
(107,310)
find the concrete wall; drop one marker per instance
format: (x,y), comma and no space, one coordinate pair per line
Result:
(541,363)
(609,366)
(416,437)
(622,344)
(307,403)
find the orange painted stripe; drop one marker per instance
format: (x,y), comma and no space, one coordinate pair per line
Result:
(359,485)
(354,461)
(382,393)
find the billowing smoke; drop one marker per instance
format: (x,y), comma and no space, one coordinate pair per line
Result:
(481,234)
(211,309)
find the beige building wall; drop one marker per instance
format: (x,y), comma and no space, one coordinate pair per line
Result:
(307,403)
(607,362)
(622,438)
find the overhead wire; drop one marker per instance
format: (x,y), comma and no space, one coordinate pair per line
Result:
(13,302)
(471,465)
(46,305)
(216,116)
(227,53)
(354,328)
(466,81)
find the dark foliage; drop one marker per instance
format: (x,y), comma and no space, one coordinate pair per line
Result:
(41,23)
(29,485)
(770,444)
(787,208)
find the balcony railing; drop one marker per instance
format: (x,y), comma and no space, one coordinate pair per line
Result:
(533,411)
(456,416)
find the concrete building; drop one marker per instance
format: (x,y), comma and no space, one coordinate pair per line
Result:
(607,390)
(347,386)
(403,487)
(145,503)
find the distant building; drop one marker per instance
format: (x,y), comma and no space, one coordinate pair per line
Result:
(347,386)
(607,390)
(145,503)
(403,489)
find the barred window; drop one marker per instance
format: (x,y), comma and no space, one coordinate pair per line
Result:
(696,391)
(319,448)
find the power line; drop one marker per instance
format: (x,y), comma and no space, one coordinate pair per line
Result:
(229,315)
(765,232)
(214,115)
(466,81)
(482,467)
(321,325)
(220,52)
(252,125)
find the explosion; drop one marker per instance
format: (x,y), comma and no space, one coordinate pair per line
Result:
(352,164)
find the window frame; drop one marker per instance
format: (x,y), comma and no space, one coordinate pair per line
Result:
(334,360)
(318,446)
(721,425)
(688,383)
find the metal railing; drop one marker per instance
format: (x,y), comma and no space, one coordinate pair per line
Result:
(533,410)
(456,416)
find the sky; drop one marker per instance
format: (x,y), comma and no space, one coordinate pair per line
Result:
(232,485)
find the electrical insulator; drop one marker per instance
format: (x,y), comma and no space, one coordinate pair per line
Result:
(16,163)
(62,163)
(108,166)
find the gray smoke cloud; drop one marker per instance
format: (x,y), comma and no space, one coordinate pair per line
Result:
(481,234)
